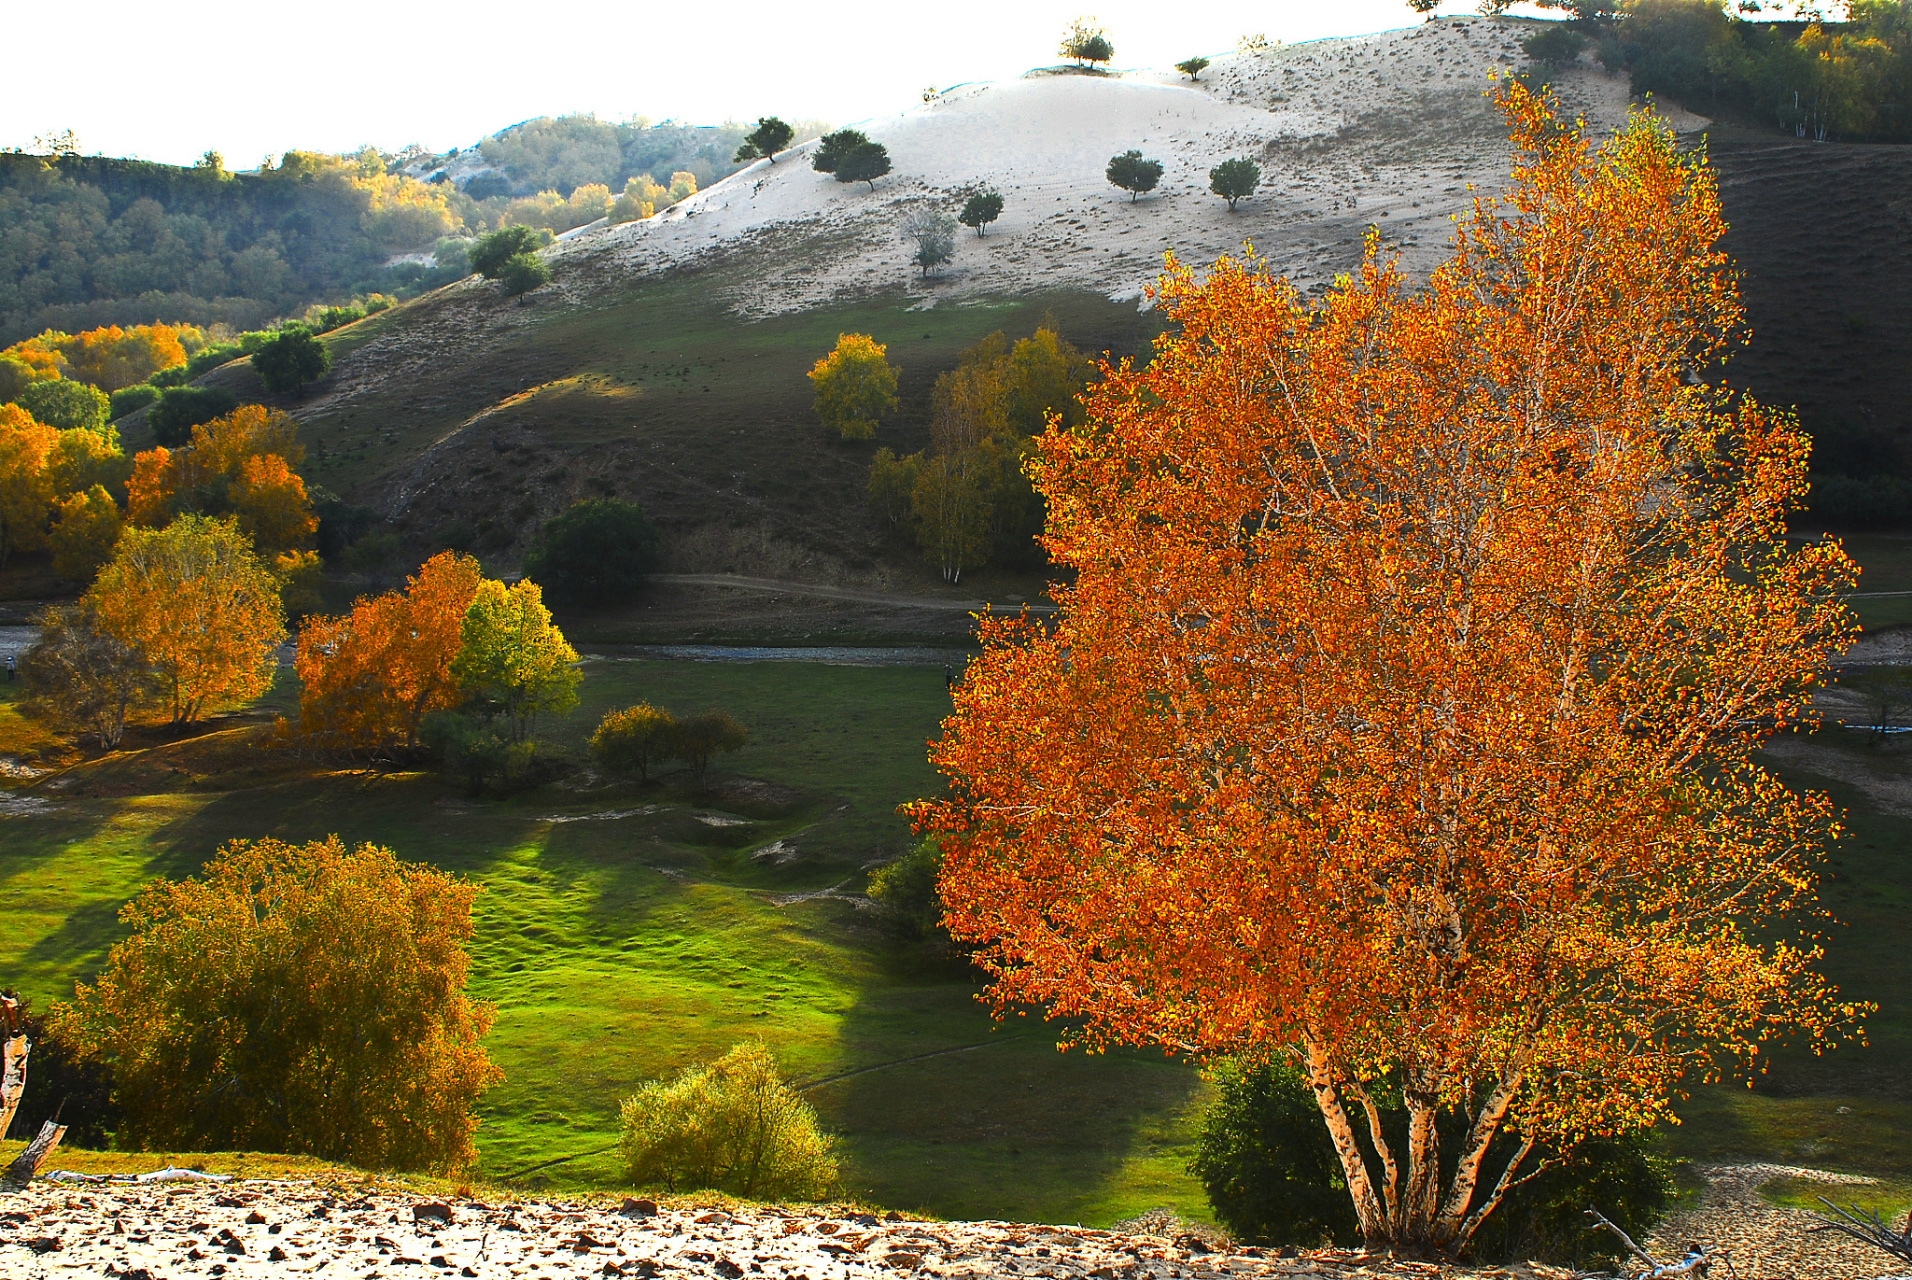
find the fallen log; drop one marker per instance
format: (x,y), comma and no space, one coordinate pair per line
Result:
(1869,1228)
(14,1047)
(28,1162)
(1697,1261)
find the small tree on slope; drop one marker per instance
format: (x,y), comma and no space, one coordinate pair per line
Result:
(769,137)
(1400,718)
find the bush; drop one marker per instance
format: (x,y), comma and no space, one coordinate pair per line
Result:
(866,162)
(981,209)
(65,405)
(523,273)
(1134,174)
(1557,44)
(833,147)
(934,235)
(701,737)
(177,376)
(179,409)
(905,893)
(296,998)
(131,399)
(489,253)
(1273,1177)
(1193,68)
(634,739)
(487,757)
(291,358)
(1234,180)
(732,1126)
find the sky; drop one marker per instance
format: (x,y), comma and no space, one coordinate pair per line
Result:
(250,80)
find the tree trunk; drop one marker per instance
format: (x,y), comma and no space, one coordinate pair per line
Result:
(14,1048)
(28,1162)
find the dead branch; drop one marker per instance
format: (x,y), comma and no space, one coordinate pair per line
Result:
(1697,1261)
(1868,1228)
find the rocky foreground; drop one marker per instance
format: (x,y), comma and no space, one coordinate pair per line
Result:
(238,1230)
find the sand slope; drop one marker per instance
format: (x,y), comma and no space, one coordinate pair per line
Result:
(1386,130)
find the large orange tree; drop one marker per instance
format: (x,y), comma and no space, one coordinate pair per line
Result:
(1400,717)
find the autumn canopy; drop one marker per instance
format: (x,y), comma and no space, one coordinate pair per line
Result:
(1399,718)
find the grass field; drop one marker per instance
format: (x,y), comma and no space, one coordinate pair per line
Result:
(618,948)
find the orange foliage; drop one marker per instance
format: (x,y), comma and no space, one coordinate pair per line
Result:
(369,678)
(301,998)
(196,603)
(110,357)
(1400,717)
(26,490)
(239,465)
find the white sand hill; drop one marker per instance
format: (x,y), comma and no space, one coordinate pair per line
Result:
(1386,130)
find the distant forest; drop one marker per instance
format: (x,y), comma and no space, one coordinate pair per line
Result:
(88,241)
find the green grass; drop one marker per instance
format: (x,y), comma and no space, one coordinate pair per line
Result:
(619,949)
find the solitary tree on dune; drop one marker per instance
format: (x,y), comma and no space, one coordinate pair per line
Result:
(1399,718)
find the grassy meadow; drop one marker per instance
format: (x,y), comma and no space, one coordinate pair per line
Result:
(627,931)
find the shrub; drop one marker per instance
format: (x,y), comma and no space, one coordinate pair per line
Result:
(769,137)
(731,1126)
(866,162)
(297,998)
(65,405)
(179,409)
(1556,44)
(1234,180)
(1085,42)
(1273,1177)
(489,253)
(701,737)
(634,739)
(522,273)
(177,376)
(905,892)
(1134,174)
(1193,68)
(486,757)
(833,147)
(291,358)
(598,551)
(980,209)
(934,235)
(131,399)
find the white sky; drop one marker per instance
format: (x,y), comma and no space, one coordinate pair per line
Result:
(170,82)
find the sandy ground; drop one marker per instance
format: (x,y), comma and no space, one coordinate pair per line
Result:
(1387,130)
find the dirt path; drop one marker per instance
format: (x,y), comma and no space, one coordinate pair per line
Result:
(783,587)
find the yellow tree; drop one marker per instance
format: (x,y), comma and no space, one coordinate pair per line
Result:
(855,386)
(86,527)
(195,601)
(511,654)
(368,679)
(1399,720)
(26,490)
(303,998)
(240,464)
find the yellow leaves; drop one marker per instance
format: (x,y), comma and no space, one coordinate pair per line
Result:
(371,1053)
(239,465)
(86,525)
(512,654)
(855,385)
(195,601)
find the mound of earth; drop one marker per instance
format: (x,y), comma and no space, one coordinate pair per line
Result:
(1388,129)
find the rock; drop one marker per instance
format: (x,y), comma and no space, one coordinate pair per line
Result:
(638,1208)
(431,1211)
(276,1254)
(42,1244)
(726,1268)
(255,1219)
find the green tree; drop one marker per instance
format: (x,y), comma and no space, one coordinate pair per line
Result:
(769,137)
(1234,180)
(1424,6)
(131,399)
(731,1126)
(1085,42)
(600,550)
(855,385)
(866,162)
(1556,44)
(892,484)
(951,505)
(488,254)
(298,998)
(634,739)
(832,148)
(981,209)
(905,891)
(1134,174)
(1193,68)
(522,273)
(82,679)
(67,405)
(291,358)
(179,409)
(512,658)
(701,737)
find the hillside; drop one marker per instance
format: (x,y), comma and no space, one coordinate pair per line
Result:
(665,362)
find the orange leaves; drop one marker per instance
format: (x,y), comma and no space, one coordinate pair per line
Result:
(1401,706)
(367,679)
(238,465)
